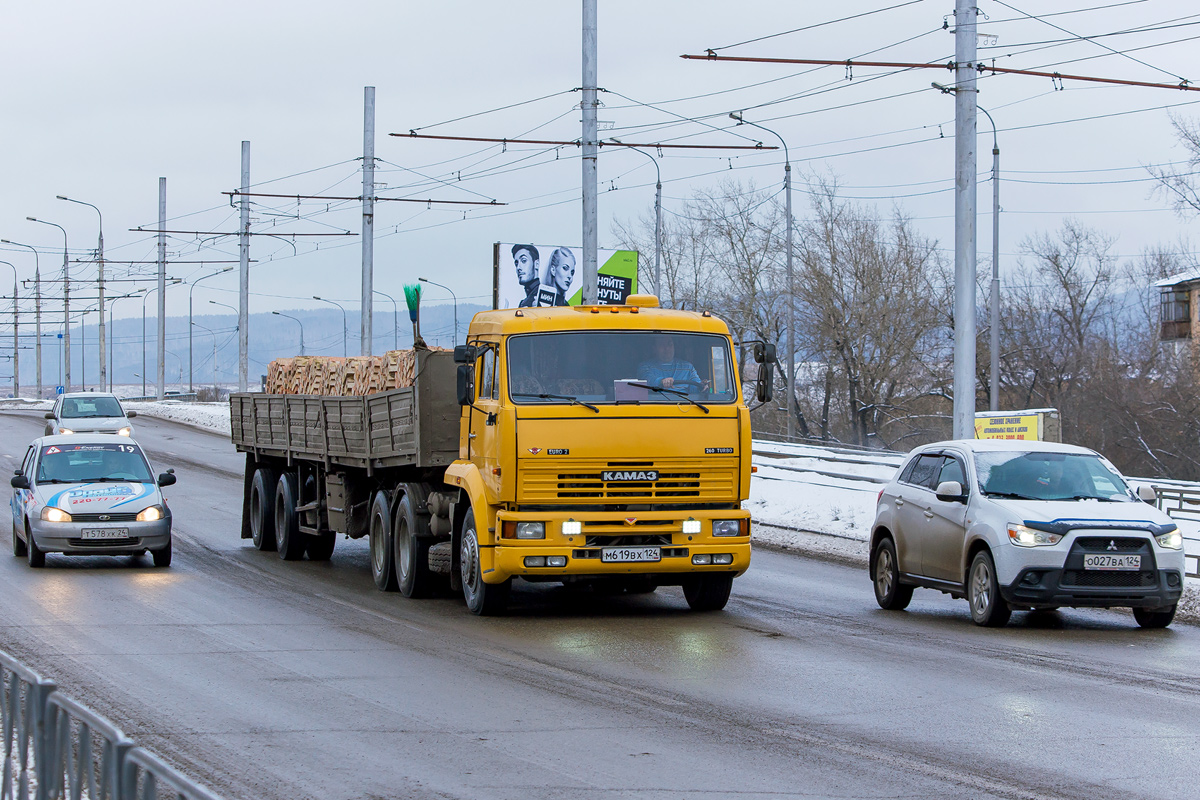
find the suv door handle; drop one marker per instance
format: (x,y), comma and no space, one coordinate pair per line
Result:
(899,501)
(928,514)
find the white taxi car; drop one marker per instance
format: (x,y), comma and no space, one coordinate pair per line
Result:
(1024,525)
(90,494)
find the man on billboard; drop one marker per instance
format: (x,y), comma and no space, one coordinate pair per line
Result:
(526,260)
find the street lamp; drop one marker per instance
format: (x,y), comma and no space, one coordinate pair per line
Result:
(298,322)
(452,294)
(100,284)
(191,291)
(66,304)
(113,349)
(791,323)
(16,358)
(147,294)
(37,295)
(395,319)
(323,300)
(657,218)
(214,338)
(224,305)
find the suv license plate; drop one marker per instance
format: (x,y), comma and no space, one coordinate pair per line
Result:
(104,533)
(1107,562)
(624,554)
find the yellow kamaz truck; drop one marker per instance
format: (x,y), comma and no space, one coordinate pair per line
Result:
(603,445)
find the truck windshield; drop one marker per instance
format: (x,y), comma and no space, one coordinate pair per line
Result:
(1049,476)
(620,367)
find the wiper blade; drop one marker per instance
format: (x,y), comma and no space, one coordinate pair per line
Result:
(1013,495)
(665,390)
(54,480)
(575,401)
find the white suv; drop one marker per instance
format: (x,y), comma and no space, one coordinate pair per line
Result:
(1024,525)
(88,412)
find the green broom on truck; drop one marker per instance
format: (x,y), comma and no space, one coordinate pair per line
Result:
(412,297)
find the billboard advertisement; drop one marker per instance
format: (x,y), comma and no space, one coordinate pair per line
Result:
(1034,424)
(532,275)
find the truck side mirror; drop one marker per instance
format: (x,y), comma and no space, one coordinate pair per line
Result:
(464,353)
(19,482)
(764,353)
(466,382)
(766,379)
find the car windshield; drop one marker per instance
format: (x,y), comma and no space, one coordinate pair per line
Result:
(1050,476)
(92,463)
(620,367)
(84,407)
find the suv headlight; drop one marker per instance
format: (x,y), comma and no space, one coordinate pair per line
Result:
(1172,540)
(126,431)
(52,514)
(65,430)
(1028,537)
(727,527)
(150,514)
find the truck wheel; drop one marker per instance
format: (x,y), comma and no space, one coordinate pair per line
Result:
(890,593)
(484,599)
(383,568)
(35,557)
(988,608)
(708,592)
(287,524)
(18,543)
(319,546)
(162,558)
(1154,617)
(262,508)
(411,552)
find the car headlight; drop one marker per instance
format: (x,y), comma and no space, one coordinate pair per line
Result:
(126,431)
(1028,537)
(52,514)
(1172,540)
(727,527)
(65,430)
(150,514)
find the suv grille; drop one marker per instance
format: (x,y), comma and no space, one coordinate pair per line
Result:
(1125,580)
(1101,544)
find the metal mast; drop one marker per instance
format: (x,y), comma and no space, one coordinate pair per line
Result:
(244,273)
(368,221)
(964,218)
(591,149)
(160,386)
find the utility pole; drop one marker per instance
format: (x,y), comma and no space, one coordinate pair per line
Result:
(162,288)
(16,335)
(37,294)
(964,218)
(368,221)
(244,273)
(100,286)
(995,299)
(591,149)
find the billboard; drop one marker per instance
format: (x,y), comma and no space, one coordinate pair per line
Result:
(1036,424)
(531,275)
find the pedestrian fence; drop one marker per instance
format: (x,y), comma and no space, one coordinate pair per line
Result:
(56,748)
(1183,504)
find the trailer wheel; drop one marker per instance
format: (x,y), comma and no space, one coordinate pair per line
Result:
(383,568)
(484,599)
(411,552)
(262,508)
(287,524)
(319,546)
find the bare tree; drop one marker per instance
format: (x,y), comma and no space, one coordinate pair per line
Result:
(1179,185)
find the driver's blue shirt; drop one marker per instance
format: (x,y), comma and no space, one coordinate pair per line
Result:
(679,371)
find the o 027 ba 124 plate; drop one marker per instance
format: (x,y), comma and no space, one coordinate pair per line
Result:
(1099,561)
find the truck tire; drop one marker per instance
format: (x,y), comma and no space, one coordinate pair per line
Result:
(410,552)
(287,524)
(262,508)
(484,599)
(708,592)
(383,567)
(319,546)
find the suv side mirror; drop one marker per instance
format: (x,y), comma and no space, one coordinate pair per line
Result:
(19,482)
(48,415)
(464,353)
(765,384)
(167,478)
(466,382)
(951,491)
(130,414)
(1146,493)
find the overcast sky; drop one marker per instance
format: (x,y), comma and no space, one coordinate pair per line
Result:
(100,99)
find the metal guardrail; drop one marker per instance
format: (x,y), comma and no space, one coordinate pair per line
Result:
(56,748)
(188,396)
(1180,503)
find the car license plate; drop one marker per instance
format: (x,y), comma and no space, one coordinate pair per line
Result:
(626,554)
(1112,562)
(104,533)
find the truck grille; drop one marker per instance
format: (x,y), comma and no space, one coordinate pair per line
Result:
(676,481)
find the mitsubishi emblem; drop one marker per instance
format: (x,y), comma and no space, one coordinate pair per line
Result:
(1112,544)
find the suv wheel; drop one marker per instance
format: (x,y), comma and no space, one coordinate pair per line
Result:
(1154,617)
(988,608)
(890,593)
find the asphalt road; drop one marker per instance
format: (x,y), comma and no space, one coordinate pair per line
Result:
(266,679)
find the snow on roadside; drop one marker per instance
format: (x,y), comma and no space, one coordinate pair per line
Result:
(212,417)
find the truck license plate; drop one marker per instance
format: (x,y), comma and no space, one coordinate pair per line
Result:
(1107,562)
(625,554)
(104,533)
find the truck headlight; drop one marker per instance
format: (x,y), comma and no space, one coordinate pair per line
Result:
(126,431)
(523,530)
(1028,537)
(65,430)
(1172,540)
(52,514)
(727,527)
(150,514)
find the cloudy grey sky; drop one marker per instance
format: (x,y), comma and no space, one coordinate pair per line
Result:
(102,98)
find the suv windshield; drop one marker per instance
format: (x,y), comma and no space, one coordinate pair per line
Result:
(620,367)
(83,407)
(1049,476)
(92,463)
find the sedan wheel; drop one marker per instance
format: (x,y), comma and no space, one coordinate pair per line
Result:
(988,608)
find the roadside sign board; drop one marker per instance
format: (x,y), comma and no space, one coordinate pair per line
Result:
(1034,424)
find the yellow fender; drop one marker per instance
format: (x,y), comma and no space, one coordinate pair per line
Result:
(465,475)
